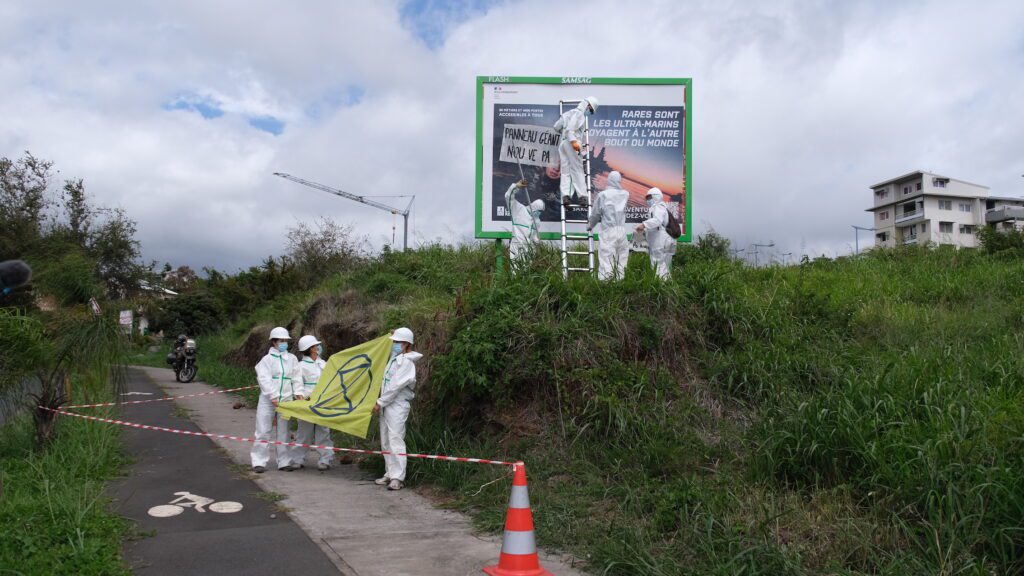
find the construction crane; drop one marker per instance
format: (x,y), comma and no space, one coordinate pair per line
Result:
(361,199)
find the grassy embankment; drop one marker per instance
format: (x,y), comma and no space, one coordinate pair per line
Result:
(53,510)
(859,416)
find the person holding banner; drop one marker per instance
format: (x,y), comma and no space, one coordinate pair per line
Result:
(280,380)
(311,365)
(525,222)
(570,127)
(610,210)
(394,404)
(660,246)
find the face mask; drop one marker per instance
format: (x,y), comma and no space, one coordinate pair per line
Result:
(536,214)
(590,111)
(650,202)
(319,350)
(282,346)
(396,349)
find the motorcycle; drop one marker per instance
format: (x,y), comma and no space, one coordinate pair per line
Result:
(184,362)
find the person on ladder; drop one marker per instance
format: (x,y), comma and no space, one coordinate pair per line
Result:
(570,149)
(525,223)
(610,210)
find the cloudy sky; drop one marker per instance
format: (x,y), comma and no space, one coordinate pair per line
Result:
(180,111)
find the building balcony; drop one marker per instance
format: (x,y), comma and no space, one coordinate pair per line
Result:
(908,216)
(1004,213)
(910,239)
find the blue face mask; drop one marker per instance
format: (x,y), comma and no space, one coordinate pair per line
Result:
(650,201)
(319,350)
(396,349)
(282,346)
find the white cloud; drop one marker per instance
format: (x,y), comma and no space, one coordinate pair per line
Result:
(799,106)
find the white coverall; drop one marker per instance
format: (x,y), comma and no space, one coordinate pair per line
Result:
(610,210)
(396,393)
(570,127)
(660,246)
(524,227)
(280,379)
(310,433)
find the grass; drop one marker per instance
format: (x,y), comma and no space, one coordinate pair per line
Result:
(53,507)
(855,416)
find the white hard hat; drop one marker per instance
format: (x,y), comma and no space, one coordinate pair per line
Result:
(592,101)
(537,205)
(654,193)
(306,341)
(279,333)
(402,335)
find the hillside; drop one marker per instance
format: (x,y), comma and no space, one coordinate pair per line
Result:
(856,416)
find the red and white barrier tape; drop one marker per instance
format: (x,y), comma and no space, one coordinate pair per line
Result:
(164,399)
(276,442)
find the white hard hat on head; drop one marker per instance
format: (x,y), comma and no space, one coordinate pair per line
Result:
(592,101)
(402,335)
(537,205)
(306,342)
(654,193)
(279,333)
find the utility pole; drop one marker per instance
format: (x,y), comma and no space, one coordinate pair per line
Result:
(756,245)
(856,237)
(361,199)
(736,251)
(784,257)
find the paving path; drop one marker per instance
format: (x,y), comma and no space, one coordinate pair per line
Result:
(364,529)
(208,534)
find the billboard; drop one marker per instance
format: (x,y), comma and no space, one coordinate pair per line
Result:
(641,128)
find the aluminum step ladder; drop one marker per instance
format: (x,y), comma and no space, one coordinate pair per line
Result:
(572,259)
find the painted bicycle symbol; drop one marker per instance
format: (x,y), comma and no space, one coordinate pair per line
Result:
(357,371)
(197,503)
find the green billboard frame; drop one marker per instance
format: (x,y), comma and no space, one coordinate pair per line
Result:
(687,144)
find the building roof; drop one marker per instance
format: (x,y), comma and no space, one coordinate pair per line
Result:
(1006,198)
(917,173)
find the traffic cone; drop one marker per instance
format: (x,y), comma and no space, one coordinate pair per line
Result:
(518,547)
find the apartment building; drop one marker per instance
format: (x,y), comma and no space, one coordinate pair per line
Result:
(922,207)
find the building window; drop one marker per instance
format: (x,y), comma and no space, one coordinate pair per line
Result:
(906,189)
(883,215)
(917,186)
(945,204)
(882,192)
(882,236)
(939,182)
(965,207)
(946,227)
(966,229)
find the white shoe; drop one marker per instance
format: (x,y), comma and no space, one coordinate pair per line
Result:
(396,485)
(382,481)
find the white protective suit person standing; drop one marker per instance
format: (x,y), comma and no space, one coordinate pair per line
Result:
(311,366)
(396,394)
(660,246)
(525,223)
(570,127)
(280,380)
(610,211)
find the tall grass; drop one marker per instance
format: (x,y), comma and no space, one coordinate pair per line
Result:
(852,416)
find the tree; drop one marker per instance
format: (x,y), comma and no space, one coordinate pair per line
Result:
(116,251)
(327,249)
(23,203)
(78,212)
(181,279)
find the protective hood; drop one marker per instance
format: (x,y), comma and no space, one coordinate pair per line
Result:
(615,179)
(582,106)
(537,205)
(654,194)
(413,356)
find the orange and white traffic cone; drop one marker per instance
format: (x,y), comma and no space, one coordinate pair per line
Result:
(518,547)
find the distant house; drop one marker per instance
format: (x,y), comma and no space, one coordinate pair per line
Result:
(922,207)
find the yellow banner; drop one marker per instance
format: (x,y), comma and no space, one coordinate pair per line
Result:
(347,390)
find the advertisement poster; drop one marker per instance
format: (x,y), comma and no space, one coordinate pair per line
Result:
(641,128)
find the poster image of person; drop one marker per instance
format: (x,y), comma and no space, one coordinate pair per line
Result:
(644,143)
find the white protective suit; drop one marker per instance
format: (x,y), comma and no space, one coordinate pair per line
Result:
(396,394)
(570,127)
(524,227)
(660,246)
(310,433)
(610,210)
(280,379)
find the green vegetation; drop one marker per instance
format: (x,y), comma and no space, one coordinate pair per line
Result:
(855,416)
(52,502)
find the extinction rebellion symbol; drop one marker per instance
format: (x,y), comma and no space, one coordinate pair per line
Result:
(357,371)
